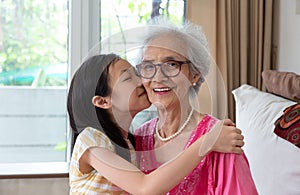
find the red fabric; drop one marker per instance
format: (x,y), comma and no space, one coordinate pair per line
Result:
(287,126)
(217,174)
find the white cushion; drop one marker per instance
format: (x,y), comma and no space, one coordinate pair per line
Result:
(274,162)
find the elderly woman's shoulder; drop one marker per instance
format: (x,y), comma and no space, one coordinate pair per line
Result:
(147,128)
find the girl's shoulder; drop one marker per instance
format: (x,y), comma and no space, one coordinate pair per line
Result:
(93,137)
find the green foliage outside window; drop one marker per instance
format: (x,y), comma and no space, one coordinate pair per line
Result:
(33,38)
(34,34)
(117,15)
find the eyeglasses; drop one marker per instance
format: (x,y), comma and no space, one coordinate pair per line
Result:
(171,68)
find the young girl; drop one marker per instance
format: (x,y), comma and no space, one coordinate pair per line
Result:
(105,94)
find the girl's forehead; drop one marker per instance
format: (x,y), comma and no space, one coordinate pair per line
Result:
(119,68)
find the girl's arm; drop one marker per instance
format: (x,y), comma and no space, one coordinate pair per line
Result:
(130,178)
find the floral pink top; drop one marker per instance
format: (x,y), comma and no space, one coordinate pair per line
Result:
(218,173)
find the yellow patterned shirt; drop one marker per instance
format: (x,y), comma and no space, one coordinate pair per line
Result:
(93,182)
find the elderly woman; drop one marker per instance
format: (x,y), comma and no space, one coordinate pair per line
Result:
(104,89)
(175,61)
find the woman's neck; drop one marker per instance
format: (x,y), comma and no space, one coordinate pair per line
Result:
(170,120)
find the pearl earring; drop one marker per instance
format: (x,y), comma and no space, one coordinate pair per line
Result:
(194,84)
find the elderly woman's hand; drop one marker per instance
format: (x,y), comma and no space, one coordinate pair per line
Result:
(223,137)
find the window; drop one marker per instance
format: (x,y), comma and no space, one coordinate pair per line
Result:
(118,23)
(117,16)
(33,43)
(33,80)
(42,43)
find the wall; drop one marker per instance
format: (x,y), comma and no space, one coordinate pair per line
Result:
(197,12)
(289,36)
(32,122)
(288,58)
(212,94)
(50,186)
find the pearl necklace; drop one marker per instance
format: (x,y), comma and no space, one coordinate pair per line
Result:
(164,139)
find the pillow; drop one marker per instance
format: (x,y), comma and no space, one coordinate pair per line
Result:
(285,84)
(274,162)
(288,125)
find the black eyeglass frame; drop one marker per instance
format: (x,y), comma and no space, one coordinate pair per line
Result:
(138,67)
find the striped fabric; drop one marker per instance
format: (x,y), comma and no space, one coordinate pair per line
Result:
(94,182)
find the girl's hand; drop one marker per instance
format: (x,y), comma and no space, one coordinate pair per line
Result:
(223,137)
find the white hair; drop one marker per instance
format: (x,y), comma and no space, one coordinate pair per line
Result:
(192,39)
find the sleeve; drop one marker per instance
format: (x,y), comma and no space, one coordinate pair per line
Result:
(87,139)
(232,175)
(144,146)
(146,129)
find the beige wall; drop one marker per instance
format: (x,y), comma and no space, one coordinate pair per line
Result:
(289,39)
(47,186)
(203,12)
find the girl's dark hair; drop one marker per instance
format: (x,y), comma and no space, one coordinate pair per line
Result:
(70,112)
(110,128)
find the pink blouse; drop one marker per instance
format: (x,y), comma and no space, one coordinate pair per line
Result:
(218,173)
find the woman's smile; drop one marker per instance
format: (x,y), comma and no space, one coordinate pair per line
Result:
(162,90)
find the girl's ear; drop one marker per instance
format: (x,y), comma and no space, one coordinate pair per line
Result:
(102,102)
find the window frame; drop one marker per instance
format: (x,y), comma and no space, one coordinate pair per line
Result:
(81,28)
(84,34)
